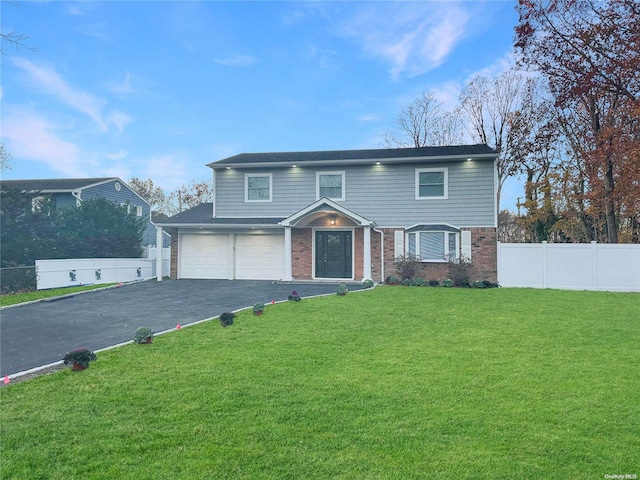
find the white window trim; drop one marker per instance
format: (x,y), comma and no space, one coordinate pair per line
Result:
(36,203)
(447,252)
(246,187)
(445,195)
(319,174)
(138,211)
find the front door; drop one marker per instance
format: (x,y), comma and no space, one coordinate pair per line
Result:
(333,254)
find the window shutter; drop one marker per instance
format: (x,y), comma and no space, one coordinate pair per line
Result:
(465,241)
(398,243)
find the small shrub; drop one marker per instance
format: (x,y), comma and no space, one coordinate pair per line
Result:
(143,335)
(419,282)
(392,280)
(226,318)
(489,284)
(460,271)
(406,266)
(342,289)
(407,282)
(434,283)
(294,297)
(80,356)
(447,283)
(479,284)
(368,283)
(258,308)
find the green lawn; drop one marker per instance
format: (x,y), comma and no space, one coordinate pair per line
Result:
(16,298)
(392,383)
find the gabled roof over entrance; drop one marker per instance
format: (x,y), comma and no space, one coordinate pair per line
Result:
(322,207)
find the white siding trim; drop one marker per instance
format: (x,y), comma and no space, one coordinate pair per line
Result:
(445,195)
(246,187)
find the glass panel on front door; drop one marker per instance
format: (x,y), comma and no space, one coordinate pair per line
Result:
(333,255)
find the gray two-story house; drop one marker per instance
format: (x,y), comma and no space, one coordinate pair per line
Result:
(341,215)
(70,192)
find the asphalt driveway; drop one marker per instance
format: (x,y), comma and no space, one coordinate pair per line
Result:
(40,333)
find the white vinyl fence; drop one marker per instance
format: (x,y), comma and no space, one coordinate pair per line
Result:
(570,266)
(87,271)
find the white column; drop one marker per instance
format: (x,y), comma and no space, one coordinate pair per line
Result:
(288,273)
(159,244)
(367,252)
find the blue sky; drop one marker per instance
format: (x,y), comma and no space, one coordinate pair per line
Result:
(159,89)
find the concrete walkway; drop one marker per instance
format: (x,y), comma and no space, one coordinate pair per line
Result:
(39,334)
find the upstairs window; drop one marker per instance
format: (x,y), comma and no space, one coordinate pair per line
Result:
(330,185)
(431,183)
(257,187)
(138,211)
(433,246)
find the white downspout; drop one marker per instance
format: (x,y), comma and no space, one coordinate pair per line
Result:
(77,194)
(381,252)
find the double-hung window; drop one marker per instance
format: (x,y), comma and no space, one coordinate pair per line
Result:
(433,246)
(330,185)
(431,183)
(257,187)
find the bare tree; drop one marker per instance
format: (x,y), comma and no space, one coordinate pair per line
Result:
(488,106)
(5,158)
(16,40)
(189,196)
(424,123)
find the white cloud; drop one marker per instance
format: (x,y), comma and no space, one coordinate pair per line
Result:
(498,67)
(119,120)
(412,37)
(50,82)
(124,87)
(168,171)
(33,138)
(236,60)
(371,117)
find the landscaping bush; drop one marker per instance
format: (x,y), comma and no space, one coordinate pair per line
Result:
(368,283)
(434,283)
(18,280)
(407,282)
(406,266)
(419,282)
(460,271)
(392,280)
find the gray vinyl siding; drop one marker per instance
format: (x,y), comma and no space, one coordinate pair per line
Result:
(384,194)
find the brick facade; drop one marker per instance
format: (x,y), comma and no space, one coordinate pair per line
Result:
(302,253)
(174,253)
(483,254)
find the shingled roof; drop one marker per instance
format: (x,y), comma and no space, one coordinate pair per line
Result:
(54,184)
(203,214)
(358,156)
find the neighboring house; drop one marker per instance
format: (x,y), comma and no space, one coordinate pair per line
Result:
(341,215)
(65,192)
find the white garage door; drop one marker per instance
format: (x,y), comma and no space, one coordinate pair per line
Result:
(259,257)
(204,256)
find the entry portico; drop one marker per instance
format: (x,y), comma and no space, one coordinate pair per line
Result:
(333,246)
